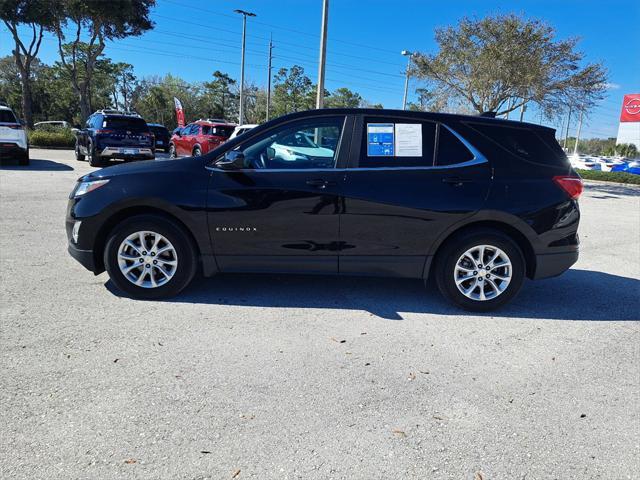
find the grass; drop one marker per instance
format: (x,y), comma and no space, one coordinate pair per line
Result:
(619,177)
(59,137)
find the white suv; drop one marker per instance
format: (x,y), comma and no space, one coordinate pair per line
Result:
(13,137)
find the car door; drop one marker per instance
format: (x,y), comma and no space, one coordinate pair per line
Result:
(182,143)
(280,212)
(409,180)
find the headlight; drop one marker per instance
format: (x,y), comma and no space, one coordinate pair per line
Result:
(86,187)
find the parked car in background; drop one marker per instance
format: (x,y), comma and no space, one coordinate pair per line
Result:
(608,163)
(240,129)
(162,136)
(110,134)
(476,204)
(585,162)
(199,138)
(13,137)
(51,124)
(630,167)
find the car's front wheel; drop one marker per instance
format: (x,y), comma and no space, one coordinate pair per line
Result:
(150,257)
(480,270)
(197,152)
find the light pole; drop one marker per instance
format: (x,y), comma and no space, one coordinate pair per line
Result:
(409,54)
(244,31)
(323,54)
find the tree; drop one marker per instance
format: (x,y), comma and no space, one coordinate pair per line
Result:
(628,150)
(343,98)
(500,63)
(36,15)
(293,91)
(222,101)
(102,21)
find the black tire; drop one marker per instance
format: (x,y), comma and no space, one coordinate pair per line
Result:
(24,160)
(185,250)
(172,151)
(447,259)
(79,156)
(197,152)
(93,158)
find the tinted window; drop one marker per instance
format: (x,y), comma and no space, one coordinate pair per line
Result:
(7,116)
(125,123)
(450,149)
(384,138)
(159,130)
(538,146)
(305,144)
(206,130)
(222,131)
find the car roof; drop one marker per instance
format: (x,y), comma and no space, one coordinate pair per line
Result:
(434,116)
(215,124)
(4,107)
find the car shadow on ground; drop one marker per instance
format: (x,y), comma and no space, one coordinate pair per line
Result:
(36,165)
(576,295)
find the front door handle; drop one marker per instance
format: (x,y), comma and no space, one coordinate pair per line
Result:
(320,183)
(456,181)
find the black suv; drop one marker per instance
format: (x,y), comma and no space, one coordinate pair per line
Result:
(161,135)
(110,134)
(475,203)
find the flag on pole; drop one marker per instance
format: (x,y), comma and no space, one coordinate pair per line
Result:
(179,112)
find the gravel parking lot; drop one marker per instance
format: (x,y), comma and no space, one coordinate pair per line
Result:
(286,377)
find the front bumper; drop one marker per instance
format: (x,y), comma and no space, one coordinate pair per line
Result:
(85,257)
(554,264)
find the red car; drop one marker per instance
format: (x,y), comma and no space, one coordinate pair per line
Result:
(199,138)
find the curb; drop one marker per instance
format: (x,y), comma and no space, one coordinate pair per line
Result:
(41,147)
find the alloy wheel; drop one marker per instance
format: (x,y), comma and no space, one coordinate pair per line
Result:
(483,272)
(147,259)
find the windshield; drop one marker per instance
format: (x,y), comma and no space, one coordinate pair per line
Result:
(298,139)
(6,116)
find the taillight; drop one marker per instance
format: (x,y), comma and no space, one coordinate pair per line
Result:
(573,186)
(105,131)
(15,127)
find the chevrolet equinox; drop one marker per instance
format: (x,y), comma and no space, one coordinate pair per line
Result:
(475,203)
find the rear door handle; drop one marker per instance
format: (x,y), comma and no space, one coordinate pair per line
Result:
(320,183)
(456,181)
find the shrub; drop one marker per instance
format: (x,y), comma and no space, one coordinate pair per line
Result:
(59,137)
(620,177)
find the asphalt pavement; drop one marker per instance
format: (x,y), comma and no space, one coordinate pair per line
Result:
(294,377)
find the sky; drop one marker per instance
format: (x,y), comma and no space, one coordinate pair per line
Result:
(365,37)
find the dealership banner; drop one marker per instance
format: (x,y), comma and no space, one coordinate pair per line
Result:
(179,112)
(630,108)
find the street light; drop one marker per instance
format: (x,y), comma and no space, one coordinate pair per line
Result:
(409,54)
(244,30)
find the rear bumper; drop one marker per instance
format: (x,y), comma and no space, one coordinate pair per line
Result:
(85,257)
(554,264)
(120,152)
(10,150)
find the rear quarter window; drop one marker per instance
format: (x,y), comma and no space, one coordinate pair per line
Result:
(537,146)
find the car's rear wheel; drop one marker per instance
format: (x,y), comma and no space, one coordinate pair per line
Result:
(149,257)
(92,156)
(197,152)
(172,151)
(79,156)
(481,270)
(24,159)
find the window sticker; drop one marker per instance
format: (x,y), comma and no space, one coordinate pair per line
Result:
(408,140)
(380,141)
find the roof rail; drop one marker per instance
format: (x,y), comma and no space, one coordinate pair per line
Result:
(212,120)
(113,111)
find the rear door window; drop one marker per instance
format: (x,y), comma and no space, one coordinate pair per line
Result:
(397,142)
(451,150)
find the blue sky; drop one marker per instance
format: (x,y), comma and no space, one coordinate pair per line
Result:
(192,39)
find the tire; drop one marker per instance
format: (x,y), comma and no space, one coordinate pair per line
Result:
(79,156)
(172,151)
(183,253)
(498,285)
(197,152)
(92,157)
(24,160)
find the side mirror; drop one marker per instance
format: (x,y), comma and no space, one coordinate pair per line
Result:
(233,160)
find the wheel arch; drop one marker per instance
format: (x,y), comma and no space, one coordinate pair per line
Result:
(117,217)
(508,229)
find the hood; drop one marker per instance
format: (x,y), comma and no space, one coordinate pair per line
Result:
(147,166)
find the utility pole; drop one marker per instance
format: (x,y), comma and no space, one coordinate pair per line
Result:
(269,77)
(566,135)
(509,108)
(409,54)
(244,32)
(323,54)
(522,108)
(575,147)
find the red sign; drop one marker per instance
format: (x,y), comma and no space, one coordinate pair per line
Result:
(630,108)
(179,112)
